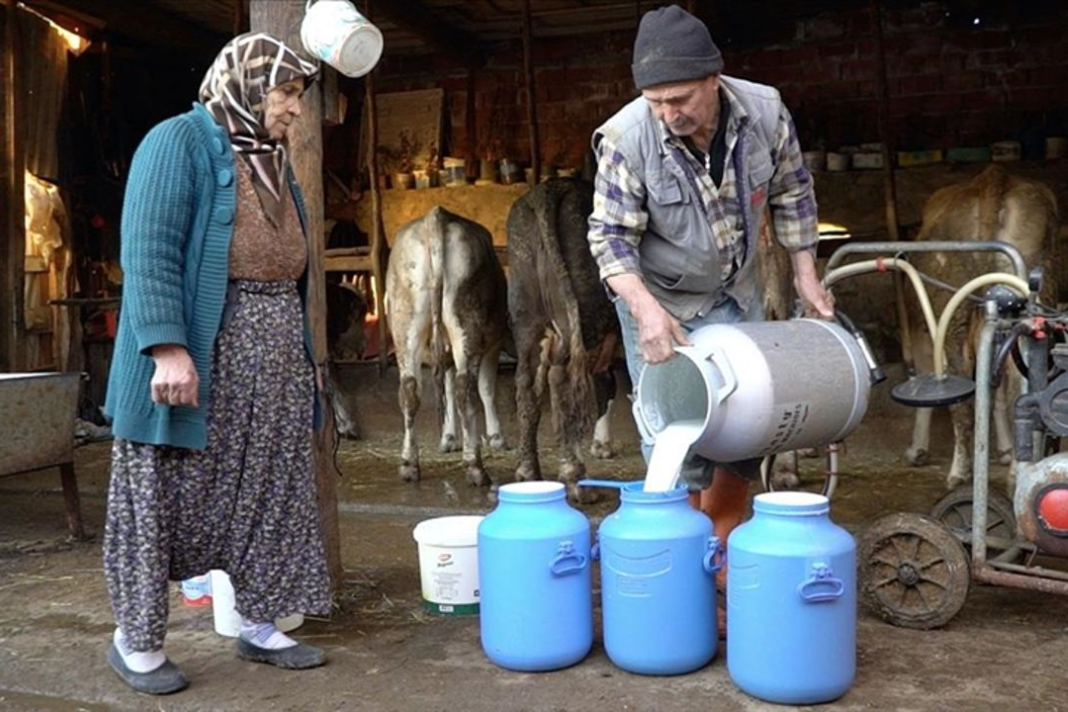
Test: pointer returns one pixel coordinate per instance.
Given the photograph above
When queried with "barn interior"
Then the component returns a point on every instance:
(470, 105)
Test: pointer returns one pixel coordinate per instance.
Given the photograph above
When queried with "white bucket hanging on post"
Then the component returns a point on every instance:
(335, 32)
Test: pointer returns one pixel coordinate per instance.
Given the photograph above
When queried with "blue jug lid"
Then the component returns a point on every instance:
(539, 491)
(791, 504)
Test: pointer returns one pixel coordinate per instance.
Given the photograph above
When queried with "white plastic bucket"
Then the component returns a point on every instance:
(224, 610)
(335, 32)
(448, 564)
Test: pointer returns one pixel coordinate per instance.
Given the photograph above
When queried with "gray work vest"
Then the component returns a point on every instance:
(679, 259)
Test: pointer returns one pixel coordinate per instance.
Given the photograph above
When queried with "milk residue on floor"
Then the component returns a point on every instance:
(672, 444)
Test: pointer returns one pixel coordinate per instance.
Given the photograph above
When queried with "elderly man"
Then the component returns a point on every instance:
(684, 175)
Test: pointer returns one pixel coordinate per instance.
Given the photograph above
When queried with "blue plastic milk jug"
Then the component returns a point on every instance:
(658, 594)
(791, 601)
(534, 578)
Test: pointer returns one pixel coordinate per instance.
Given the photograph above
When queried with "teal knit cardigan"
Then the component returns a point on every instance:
(177, 223)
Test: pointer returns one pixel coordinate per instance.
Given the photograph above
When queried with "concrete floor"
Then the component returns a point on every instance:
(1004, 651)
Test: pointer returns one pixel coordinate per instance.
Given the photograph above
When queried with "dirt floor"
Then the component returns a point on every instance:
(1004, 651)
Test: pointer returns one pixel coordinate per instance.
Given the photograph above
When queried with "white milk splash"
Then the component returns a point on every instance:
(672, 444)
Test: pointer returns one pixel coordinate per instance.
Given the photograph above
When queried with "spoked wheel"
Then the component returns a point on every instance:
(914, 572)
(955, 510)
(825, 486)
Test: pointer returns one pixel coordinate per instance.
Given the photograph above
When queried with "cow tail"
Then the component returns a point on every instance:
(578, 402)
(435, 246)
(991, 201)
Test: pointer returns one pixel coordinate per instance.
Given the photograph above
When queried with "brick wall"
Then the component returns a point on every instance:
(951, 82)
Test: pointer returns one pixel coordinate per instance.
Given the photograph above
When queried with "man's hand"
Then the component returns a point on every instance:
(658, 331)
(175, 381)
(815, 299)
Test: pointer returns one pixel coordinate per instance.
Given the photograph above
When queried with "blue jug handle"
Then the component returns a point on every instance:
(821, 577)
(558, 567)
(715, 557)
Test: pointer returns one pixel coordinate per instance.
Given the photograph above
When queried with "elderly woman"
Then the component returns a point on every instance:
(212, 389)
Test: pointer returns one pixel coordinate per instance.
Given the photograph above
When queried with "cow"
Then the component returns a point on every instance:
(992, 206)
(564, 326)
(447, 305)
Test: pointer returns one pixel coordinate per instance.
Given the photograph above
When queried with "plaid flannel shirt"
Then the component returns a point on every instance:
(619, 218)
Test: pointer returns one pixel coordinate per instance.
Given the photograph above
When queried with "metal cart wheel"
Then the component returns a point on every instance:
(954, 511)
(914, 572)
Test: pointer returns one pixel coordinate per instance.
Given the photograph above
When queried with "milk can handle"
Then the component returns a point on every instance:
(715, 557)
(711, 353)
(644, 431)
(730, 381)
(578, 562)
(822, 578)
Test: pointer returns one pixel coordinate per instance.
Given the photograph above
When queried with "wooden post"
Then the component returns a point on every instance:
(378, 234)
(532, 110)
(889, 183)
(12, 200)
(282, 18)
(240, 18)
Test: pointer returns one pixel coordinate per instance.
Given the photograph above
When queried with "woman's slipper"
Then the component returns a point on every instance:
(164, 680)
(295, 657)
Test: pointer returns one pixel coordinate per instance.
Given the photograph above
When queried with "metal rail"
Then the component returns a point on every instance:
(902, 247)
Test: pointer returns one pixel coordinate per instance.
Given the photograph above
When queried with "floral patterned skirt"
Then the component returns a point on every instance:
(245, 504)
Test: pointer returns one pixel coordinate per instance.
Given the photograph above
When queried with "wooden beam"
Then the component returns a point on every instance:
(412, 16)
(378, 233)
(143, 22)
(282, 19)
(532, 109)
(12, 200)
(885, 136)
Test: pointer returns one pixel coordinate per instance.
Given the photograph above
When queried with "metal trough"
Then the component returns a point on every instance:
(38, 411)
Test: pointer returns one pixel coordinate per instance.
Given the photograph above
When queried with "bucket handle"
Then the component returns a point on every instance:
(568, 561)
(822, 585)
(715, 557)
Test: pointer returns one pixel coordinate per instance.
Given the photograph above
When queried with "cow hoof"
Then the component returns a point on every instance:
(1005, 457)
(916, 457)
(409, 472)
(582, 495)
(476, 476)
(785, 480)
(448, 443)
(571, 472)
(527, 472)
(496, 442)
(602, 450)
(953, 481)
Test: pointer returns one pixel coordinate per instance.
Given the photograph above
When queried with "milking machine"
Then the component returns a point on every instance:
(915, 569)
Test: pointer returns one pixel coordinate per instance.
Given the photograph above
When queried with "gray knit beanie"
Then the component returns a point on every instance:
(673, 46)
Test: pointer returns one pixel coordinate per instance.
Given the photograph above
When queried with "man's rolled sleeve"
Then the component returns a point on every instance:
(792, 194)
(619, 218)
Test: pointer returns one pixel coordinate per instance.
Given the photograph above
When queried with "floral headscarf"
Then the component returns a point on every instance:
(235, 92)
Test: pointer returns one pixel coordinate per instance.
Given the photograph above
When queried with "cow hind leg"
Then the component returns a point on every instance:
(1000, 417)
(604, 387)
(528, 403)
(409, 403)
(917, 453)
(466, 385)
(447, 414)
(487, 390)
(572, 468)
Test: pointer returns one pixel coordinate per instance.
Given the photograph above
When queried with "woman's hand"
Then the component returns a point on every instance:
(175, 381)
